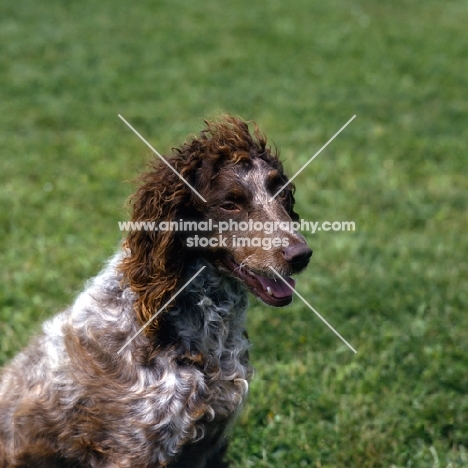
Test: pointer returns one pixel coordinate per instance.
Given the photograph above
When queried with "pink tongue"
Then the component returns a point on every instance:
(278, 287)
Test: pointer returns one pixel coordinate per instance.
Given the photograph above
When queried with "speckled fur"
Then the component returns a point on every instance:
(70, 400)
(159, 405)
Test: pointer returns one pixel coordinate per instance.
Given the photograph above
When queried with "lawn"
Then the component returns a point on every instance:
(396, 288)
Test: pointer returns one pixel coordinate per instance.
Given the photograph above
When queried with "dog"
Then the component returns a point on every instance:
(149, 367)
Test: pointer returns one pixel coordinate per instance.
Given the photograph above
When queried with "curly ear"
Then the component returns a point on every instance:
(156, 259)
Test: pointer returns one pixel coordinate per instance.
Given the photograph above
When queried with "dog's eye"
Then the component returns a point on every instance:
(229, 206)
(283, 194)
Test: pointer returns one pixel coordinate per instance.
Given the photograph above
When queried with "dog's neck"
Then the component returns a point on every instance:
(208, 316)
(206, 321)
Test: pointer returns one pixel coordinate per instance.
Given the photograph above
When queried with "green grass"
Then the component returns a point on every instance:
(395, 288)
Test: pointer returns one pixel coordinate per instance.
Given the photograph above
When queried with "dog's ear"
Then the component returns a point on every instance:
(155, 261)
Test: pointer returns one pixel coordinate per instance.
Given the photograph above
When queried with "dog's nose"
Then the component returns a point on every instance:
(297, 256)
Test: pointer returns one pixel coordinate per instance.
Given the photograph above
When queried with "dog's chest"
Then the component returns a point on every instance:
(216, 332)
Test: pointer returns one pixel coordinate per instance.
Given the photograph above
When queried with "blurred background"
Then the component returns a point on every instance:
(396, 288)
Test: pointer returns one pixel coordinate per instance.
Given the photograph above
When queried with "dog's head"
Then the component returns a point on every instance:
(230, 189)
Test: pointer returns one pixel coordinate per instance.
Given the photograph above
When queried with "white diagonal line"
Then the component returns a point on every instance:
(164, 160)
(312, 158)
(313, 310)
(161, 309)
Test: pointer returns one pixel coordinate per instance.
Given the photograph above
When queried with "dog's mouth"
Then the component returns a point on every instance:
(272, 291)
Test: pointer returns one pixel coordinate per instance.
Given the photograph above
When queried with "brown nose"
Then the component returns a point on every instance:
(297, 256)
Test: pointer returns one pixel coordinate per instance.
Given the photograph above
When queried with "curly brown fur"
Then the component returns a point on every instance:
(167, 400)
